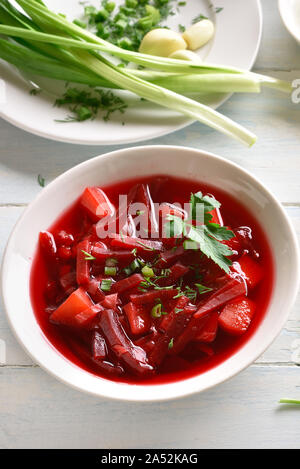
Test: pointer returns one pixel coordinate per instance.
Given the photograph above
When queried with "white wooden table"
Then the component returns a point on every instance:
(36, 411)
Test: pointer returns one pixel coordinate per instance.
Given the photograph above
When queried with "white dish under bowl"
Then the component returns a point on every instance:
(122, 165)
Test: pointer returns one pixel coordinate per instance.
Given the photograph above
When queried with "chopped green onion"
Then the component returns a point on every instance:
(106, 284)
(135, 265)
(156, 311)
(79, 23)
(171, 344)
(110, 271)
(148, 272)
(88, 256)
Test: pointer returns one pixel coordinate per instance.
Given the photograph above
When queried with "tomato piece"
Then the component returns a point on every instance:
(152, 295)
(127, 283)
(96, 203)
(82, 263)
(139, 319)
(236, 316)
(209, 331)
(110, 301)
(47, 242)
(231, 290)
(250, 269)
(76, 303)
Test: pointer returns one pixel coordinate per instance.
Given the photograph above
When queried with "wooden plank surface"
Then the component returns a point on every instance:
(37, 411)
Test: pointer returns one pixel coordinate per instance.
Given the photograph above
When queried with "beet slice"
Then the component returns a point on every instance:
(127, 283)
(178, 320)
(209, 331)
(82, 263)
(127, 242)
(152, 295)
(138, 318)
(99, 347)
(231, 290)
(134, 358)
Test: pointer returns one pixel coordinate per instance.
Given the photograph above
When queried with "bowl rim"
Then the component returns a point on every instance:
(282, 6)
(176, 395)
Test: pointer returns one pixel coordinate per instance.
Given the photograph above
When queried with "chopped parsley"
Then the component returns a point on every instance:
(85, 105)
(41, 180)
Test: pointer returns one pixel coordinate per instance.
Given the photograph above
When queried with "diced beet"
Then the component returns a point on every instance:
(152, 295)
(138, 318)
(209, 331)
(96, 203)
(110, 301)
(99, 346)
(76, 303)
(68, 280)
(82, 263)
(48, 244)
(167, 258)
(179, 321)
(85, 318)
(180, 303)
(93, 289)
(236, 316)
(251, 270)
(177, 271)
(231, 290)
(193, 329)
(127, 283)
(126, 242)
(103, 254)
(64, 239)
(133, 357)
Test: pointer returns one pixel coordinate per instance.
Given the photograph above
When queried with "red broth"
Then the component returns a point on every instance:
(197, 356)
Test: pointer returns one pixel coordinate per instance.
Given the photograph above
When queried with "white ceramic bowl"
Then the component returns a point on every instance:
(125, 164)
(290, 14)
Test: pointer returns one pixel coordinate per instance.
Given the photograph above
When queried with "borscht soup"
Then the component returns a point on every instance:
(151, 280)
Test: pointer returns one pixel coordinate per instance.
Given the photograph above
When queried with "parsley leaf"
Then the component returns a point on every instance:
(207, 236)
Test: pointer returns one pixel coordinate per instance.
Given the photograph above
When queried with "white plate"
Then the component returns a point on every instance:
(236, 43)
